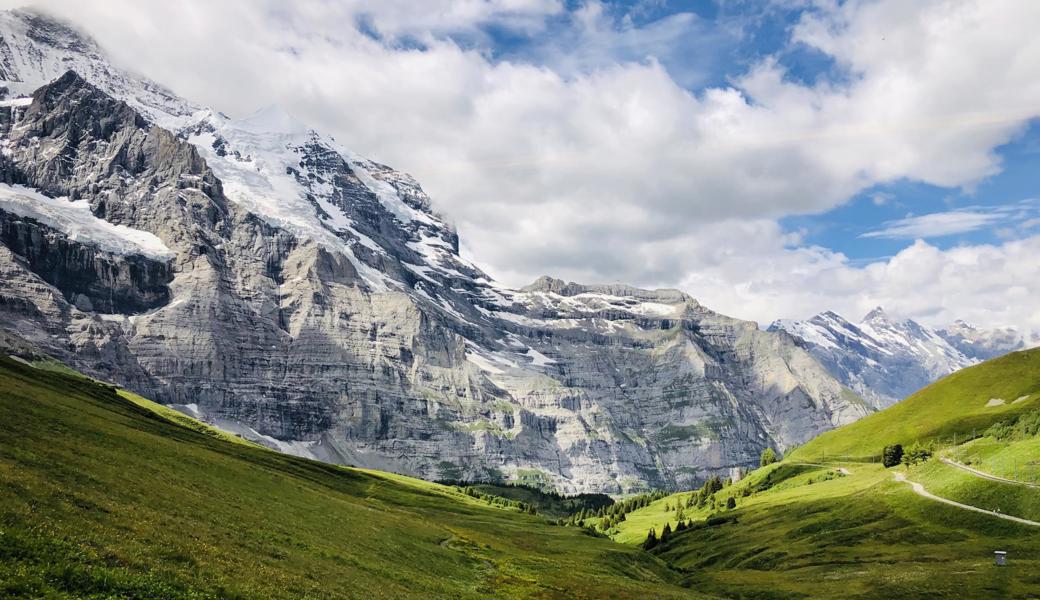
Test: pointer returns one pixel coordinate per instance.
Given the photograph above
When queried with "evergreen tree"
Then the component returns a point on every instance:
(651, 540)
(768, 457)
(731, 503)
(892, 455)
(666, 532)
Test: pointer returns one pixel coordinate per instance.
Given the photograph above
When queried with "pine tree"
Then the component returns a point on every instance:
(666, 532)
(731, 503)
(651, 540)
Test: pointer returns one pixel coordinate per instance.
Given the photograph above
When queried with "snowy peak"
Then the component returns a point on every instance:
(881, 358)
(877, 315)
(36, 49)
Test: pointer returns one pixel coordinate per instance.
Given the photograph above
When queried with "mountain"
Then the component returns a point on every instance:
(881, 358)
(258, 275)
(982, 344)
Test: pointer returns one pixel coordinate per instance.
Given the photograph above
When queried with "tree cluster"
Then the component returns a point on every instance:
(499, 501)
(652, 541)
(916, 454)
(613, 514)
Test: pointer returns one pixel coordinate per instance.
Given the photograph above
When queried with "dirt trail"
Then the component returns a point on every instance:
(984, 475)
(920, 491)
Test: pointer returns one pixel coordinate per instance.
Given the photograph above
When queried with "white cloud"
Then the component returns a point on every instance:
(936, 225)
(990, 285)
(613, 171)
(1020, 216)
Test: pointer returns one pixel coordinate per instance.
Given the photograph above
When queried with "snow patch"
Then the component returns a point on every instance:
(75, 220)
(538, 359)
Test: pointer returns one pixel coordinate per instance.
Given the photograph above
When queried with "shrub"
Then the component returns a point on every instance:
(768, 457)
(731, 503)
(892, 456)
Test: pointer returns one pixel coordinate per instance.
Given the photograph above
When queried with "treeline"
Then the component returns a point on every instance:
(613, 514)
(498, 500)
(546, 502)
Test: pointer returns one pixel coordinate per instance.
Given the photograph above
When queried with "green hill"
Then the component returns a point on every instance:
(950, 410)
(825, 524)
(104, 497)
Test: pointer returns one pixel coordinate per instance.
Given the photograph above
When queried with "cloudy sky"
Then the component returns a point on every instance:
(773, 158)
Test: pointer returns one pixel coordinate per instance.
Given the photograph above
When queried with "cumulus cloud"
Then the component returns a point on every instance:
(613, 170)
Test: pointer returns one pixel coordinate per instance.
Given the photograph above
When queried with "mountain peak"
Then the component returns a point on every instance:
(877, 314)
(47, 29)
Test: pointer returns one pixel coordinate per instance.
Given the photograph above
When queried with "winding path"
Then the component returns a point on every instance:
(920, 491)
(984, 475)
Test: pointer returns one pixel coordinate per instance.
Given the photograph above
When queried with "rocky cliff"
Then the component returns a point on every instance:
(260, 276)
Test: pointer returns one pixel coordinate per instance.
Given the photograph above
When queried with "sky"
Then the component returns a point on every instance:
(772, 158)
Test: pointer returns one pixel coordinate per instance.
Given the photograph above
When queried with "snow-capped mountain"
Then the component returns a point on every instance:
(259, 275)
(982, 344)
(885, 359)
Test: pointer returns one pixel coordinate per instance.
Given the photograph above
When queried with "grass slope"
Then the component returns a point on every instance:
(100, 497)
(1010, 459)
(953, 406)
(863, 536)
(801, 529)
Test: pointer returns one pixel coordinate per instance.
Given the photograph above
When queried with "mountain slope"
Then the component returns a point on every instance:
(882, 359)
(138, 506)
(264, 278)
(960, 405)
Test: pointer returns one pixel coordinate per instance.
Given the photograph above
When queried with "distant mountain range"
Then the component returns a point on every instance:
(885, 359)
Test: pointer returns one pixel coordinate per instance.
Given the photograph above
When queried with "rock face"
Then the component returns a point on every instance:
(262, 277)
(884, 360)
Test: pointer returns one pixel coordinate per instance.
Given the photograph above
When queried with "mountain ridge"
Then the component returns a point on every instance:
(885, 359)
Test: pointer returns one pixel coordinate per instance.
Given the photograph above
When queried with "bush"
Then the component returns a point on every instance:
(892, 456)
(731, 503)
(768, 457)
(916, 454)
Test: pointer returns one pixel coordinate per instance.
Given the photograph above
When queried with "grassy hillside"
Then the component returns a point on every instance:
(1010, 459)
(101, 497)
(860, 536)
(823, 524)
(967, 402)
